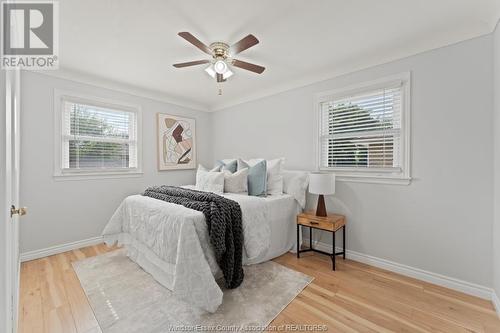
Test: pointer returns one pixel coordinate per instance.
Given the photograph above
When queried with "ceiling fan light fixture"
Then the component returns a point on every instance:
(227, 74)
(220, 67)
(210, 71)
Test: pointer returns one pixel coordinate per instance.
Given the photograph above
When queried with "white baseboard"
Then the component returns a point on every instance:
(49, 251)
(496, 302)
(417, 273)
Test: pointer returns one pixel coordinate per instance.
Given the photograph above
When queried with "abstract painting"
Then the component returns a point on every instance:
(176, 142)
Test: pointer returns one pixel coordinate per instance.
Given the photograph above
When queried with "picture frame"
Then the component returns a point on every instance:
(176, 142)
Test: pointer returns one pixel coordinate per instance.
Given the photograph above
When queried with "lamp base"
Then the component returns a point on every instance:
(321, 208)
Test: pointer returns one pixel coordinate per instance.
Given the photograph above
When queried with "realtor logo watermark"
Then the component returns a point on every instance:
(30, 35)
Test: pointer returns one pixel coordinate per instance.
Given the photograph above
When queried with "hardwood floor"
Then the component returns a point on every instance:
(355, 298)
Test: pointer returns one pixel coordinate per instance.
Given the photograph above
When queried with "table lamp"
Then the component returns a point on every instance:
(322, 184)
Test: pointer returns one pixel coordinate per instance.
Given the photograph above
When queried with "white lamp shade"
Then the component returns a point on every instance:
(322, 183)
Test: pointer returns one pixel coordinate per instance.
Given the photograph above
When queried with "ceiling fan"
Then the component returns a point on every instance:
(222, 56)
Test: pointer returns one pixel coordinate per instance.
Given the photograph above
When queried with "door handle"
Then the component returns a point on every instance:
(18, 211)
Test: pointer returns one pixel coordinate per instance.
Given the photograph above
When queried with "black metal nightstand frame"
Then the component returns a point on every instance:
(311, 248)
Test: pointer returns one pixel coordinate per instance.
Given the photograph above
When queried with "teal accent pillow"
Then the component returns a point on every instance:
(257, 177)
(230, 166)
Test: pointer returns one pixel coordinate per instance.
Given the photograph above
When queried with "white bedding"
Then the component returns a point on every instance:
(171, 241)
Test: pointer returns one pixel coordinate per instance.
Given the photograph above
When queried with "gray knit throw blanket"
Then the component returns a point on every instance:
(223, 217)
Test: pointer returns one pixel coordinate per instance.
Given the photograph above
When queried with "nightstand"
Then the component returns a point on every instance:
(331, 223)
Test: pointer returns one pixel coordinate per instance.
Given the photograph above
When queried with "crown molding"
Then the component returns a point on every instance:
(341, 70)
(320, 76)
(95, 81)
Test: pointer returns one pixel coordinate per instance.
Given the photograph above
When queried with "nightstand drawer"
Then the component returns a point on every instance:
(332, 222)
(316, 224)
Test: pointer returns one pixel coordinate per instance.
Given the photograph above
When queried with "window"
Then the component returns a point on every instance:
(97, 138)
(363, 131)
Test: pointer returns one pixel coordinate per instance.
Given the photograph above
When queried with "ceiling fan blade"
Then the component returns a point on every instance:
(248, 66)
(244, 44)
(195, 41)
(191, 63)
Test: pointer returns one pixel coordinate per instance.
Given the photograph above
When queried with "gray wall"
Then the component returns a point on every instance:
(496, 221)
(445, 214)
(442, 221)
(72, 210)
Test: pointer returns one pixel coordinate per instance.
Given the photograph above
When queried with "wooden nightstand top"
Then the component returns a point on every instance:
(332, 222)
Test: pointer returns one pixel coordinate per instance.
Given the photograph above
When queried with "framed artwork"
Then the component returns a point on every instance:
(176, 142)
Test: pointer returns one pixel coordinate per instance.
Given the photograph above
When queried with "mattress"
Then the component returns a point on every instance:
(171, 242)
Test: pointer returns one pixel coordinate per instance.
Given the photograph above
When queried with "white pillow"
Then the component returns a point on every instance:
(209, 181)
(295, 183)
(236, 182)
(274, 174)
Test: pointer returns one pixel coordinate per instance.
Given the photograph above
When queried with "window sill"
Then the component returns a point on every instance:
(96, 175)
(373, 179)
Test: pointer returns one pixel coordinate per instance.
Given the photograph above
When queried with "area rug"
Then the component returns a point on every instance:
(126, 299)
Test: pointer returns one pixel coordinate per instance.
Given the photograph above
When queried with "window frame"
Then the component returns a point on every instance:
(375, 175)
(60, 173)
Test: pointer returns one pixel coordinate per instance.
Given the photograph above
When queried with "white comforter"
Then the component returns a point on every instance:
(171, 242)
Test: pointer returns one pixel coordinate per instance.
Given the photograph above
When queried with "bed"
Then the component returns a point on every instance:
(171, 242)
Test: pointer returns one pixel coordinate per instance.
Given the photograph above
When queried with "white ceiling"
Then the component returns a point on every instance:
(135, 42)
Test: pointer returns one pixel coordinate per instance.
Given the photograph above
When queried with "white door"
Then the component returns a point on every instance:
(13, 212)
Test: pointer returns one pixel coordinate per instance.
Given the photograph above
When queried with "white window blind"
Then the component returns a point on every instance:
(362, 131)
(96, 138)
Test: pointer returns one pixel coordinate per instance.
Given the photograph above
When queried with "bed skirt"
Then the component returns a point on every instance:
(161, 271)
